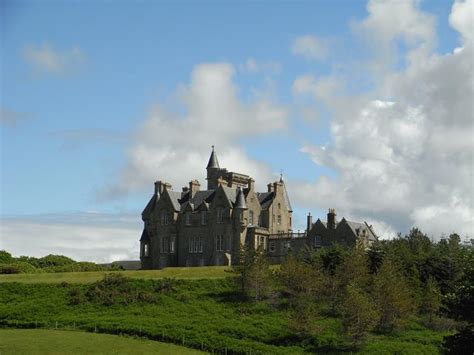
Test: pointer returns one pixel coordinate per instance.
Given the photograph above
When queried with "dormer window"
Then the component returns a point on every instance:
(165, 218)
(188, 218)
(220, 215)
(204, 218)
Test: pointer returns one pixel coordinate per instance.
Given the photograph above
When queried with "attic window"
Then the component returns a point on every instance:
(204, 218)
(188, 218)
(165, 218)
(220, 215)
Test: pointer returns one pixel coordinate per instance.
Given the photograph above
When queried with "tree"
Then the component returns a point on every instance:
(430, 299)
(359, 315)
(392, 295)
(254, 272)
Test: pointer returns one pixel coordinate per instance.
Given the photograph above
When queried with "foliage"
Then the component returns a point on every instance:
(391, 295)
(17, 267)
(359, 315)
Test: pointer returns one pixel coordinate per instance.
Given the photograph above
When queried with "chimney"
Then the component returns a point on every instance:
(332, 218)
(158, 187)
(309, 222)
(194, 187)
(250, 184)
(270, 187)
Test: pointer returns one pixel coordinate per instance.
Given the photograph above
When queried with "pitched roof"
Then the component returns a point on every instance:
(285, 196)
(145, 236)
(357, 226)
(265, 199)
(230, 193)
(150, 206)
(175, 198)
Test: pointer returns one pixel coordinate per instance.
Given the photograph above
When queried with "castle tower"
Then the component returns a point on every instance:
(212, 171)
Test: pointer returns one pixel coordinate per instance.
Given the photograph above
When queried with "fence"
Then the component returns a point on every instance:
(133, 332)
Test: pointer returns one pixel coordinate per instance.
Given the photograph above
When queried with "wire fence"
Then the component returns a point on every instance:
(138, 332)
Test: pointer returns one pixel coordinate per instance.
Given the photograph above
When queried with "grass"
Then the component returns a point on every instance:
(204, 313)
(205, 272)
(40, 341)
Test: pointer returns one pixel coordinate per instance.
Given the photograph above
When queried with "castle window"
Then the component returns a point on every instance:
(261, 242)
(172, 244)
(164, 244)
(219, 242)
(165, 218)
(317, 241)
(204, 218)
(279, 205)
(290, 221)
(146, 249)
(250, 218)
(195, 244)
(271, 247)
(220, 215)
(188, 218)
(279, 219)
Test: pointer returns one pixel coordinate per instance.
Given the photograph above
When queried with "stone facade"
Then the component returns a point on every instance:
(197, 227)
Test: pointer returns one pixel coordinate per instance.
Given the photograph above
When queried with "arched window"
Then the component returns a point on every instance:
(220, 215)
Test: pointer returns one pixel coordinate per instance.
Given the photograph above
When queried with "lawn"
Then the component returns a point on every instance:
(207, 272)
(41, 341)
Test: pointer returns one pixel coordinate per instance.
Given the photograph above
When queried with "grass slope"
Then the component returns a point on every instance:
(207, 272)
(40, 341)
(201, 313)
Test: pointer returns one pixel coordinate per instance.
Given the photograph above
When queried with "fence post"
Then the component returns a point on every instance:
(56, 325)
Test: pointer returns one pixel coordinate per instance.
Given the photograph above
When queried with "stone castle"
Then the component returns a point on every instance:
(195, 227)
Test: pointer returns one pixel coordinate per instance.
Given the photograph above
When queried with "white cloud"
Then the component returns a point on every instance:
(408, 161)
(176, 148)
(310, 47)
(462, 19)
(252, 66)
(46, 59)
(82, 236)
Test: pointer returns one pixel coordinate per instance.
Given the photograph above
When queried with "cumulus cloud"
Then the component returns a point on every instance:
(408, 160)
(46, 59)
(310, 47)
(87, 236)
(176, 148)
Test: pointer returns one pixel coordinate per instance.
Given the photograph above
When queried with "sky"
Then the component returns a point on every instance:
(363, 106)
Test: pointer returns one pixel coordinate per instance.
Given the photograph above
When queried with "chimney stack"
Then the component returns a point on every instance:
(194, 187)
(270, 187)
(309, 222)
(332, 218)
(250, 184)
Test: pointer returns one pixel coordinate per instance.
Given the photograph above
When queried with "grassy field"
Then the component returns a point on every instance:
(202, 313)
(207, 272)
(41, 341)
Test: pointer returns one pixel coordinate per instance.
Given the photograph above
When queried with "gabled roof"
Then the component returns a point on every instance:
(145, 237)
(150, 206)
(202, 196)
(230, 193)
(285, 196)
(357, 228)
(175, 198)
(265, 199)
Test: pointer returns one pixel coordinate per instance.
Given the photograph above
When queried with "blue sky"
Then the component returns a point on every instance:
(94, 93)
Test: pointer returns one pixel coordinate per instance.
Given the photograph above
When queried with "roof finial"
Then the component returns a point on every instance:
(281, 175)
(212, 147)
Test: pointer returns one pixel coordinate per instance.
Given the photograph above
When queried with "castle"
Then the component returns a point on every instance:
(195, 227)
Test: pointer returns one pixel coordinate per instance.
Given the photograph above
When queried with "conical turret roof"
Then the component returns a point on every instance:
(213, 163)
(240, 200)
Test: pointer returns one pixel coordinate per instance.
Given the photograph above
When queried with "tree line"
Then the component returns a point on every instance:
(378, 290)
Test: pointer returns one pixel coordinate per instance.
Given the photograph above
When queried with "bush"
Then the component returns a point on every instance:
(17, 267)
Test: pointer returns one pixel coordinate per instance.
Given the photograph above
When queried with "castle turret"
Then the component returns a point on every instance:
(213, 169)
(240, 205)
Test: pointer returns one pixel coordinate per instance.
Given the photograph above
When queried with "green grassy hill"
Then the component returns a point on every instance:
(41, 341)
(207, 272)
